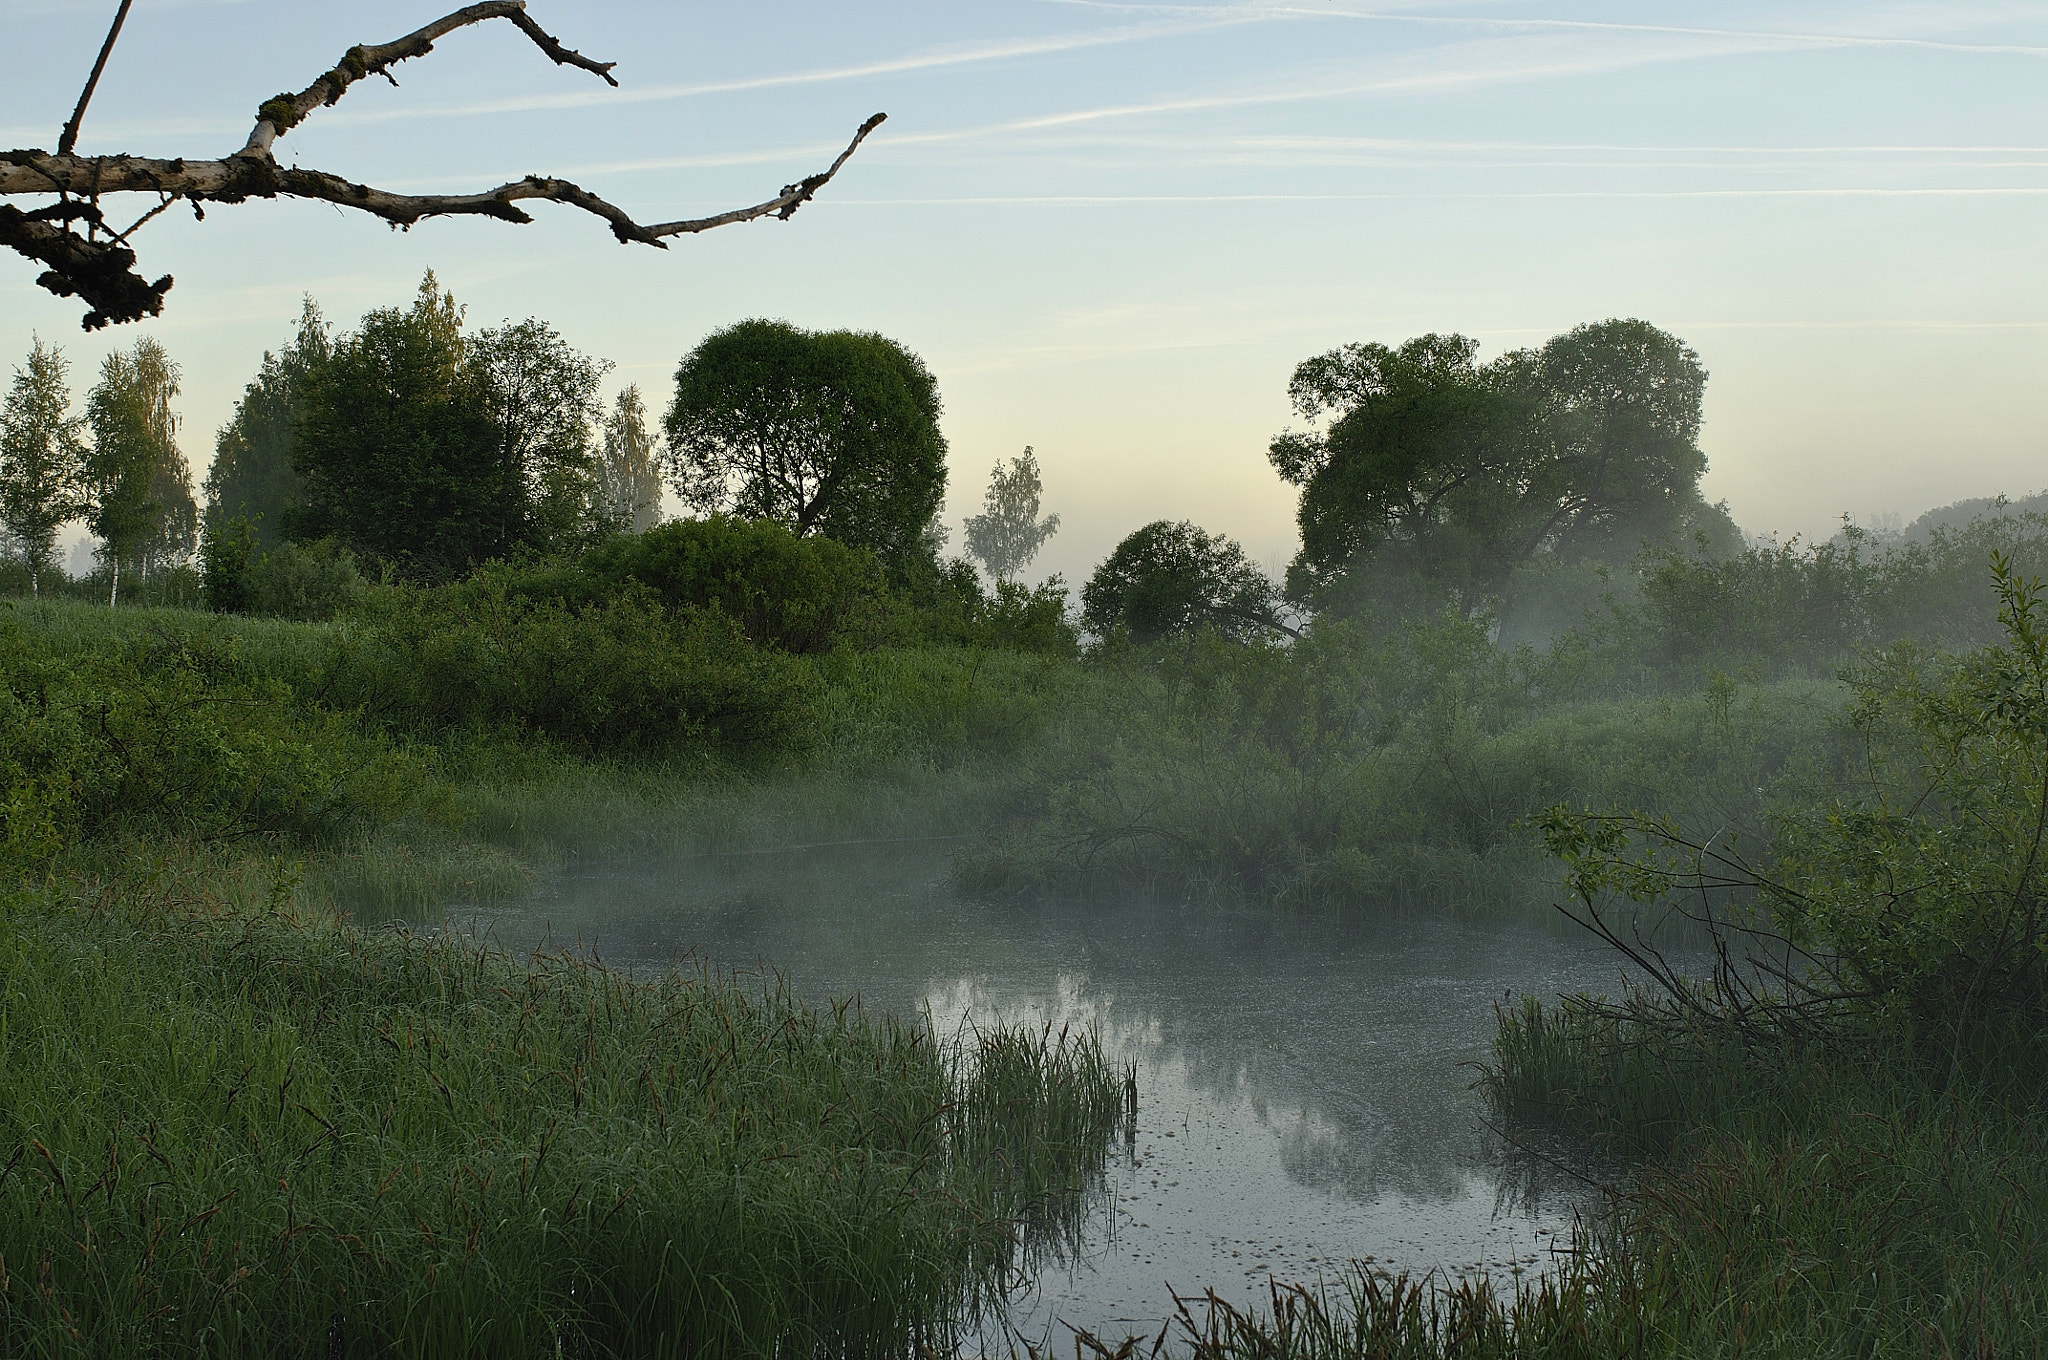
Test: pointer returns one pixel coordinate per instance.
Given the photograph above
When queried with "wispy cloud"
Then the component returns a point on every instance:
(1463, 65)
(931, 59)
(1510, 23)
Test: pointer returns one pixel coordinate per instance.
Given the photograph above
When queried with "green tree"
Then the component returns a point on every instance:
(253, 477)
(1437, 475)
(1169, 578)
(1008, 533)
(42, 458)
(629, 485)
(540, 396)
(433, 452)
(137, 481)
(832, 432)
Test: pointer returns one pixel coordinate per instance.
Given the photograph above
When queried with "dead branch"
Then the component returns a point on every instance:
(97, 266)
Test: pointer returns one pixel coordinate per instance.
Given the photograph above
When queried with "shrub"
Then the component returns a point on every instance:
(1912, 891)
(226, 548)
(308, 581)
(620, 675)
(172, 733)
(795, 594)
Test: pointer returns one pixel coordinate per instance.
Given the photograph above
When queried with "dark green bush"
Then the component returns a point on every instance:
(621, 675)
(795, 594)
(1796, 606)
(308, 581)
(226, 548)
(173, 733)
(1015, 618)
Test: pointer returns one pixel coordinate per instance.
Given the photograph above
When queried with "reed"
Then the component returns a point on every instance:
(235, 1130)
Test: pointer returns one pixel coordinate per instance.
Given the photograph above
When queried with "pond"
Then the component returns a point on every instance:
(1305, 1094)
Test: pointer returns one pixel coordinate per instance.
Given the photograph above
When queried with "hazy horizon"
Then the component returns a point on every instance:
(1113, 229)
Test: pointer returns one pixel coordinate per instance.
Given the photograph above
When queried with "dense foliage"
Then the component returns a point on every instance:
(1169, 578)
(255, 476)
(830, 432)
(42, 460)
(1438, 475)
(432, 451)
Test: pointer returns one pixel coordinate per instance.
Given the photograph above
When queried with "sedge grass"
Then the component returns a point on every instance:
(231, 1130)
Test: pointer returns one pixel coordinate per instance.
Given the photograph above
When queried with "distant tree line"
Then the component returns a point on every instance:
(418, 448)
(1430, 481)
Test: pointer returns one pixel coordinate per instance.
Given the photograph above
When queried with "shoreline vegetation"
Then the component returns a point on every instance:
(427, 645)
(236, 1103)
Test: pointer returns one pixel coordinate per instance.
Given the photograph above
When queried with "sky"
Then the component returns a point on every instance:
(1112, 229)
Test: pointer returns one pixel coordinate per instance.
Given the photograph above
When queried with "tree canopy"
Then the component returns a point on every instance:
(431, 451)
(140, 488)
(253, 476)
(1008, 533)
(1171, 578)
(1438, 474)
(832, 432)
(629, 485)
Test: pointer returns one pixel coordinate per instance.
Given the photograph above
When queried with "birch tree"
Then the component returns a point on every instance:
(42, 459)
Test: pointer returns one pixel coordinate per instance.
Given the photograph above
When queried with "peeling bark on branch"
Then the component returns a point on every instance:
(98, 266)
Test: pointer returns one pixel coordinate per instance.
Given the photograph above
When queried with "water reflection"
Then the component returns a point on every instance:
(1301, 1097)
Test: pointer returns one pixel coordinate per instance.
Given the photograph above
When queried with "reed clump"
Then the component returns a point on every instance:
(240, 1131)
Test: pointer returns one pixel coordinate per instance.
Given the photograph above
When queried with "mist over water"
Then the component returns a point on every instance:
(1302, 1096)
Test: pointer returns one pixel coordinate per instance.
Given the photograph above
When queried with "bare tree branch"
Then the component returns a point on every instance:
(102, 271)
(68, 138)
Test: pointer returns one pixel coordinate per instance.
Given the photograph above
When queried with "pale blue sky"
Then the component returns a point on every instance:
(1113, 229)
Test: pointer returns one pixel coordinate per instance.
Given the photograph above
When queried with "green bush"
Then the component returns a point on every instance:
(175, 733)
(794, 594)
(308, 581)
(1371, 767)
(615, 677)
(227, 545)
(1795, 606)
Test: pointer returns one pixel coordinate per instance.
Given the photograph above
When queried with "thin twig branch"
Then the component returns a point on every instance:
(68, 138)
(102, 272)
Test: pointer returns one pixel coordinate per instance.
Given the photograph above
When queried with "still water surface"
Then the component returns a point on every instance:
(1303, 1094)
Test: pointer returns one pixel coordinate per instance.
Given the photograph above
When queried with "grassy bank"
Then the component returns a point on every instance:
(235, 1123)
(233, 1130)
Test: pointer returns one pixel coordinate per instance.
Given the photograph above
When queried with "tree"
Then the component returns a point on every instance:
(97, 264)
(253, 477)
(832, 432)
(1624, 401)
(1008, 533)
(42, 459)
(540, 399)
(1169, 578)
(629, 485)
(132, 472)
(1437, 475)
(433, 452)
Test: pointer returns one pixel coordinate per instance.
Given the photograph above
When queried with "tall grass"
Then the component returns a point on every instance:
(240, 1132)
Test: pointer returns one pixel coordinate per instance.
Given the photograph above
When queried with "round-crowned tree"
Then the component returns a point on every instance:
(831, 432)
(1173, 578)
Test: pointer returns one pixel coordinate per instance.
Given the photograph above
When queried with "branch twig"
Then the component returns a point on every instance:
(102, 272)
(68, 138)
